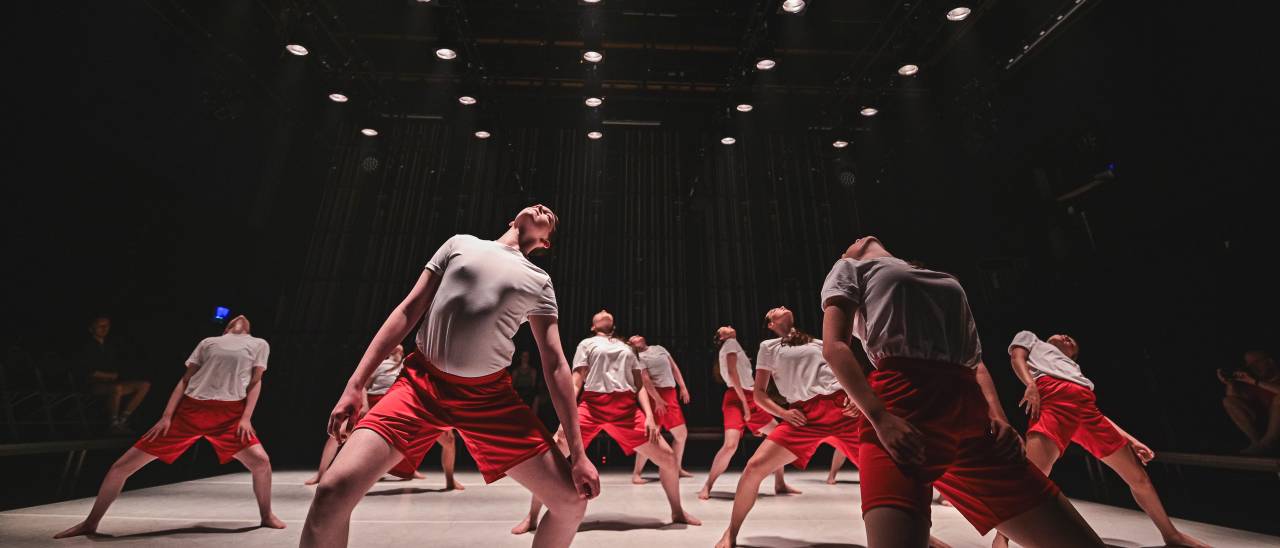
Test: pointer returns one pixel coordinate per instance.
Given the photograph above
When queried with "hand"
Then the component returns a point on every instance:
(794, 417)
(1140, 450)
(245, 430)
(651, 430)
(1243, 376)
(1031, 402)
(659, 407)
(342, 420)
(586, 480)
(1222, 377)
(903, 442)
(684, 395)
(850, 410)
(1008, 442)
(161, 428)
(746, 413)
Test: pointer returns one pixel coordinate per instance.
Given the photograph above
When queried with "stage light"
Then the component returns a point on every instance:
(424, 1)
(590, 1)
(296, 49)
(728, 141)
(467, 100)
(744, 107)
(958, 14)
(593, 135)
(337, 97)
(592, 56)
(908, 70)
(839, 143)
(446, 54)
(220, 313)
(369, 132)
(594, 101)
(482, 134)
(766, 64)
(793, 6)
(869, 111)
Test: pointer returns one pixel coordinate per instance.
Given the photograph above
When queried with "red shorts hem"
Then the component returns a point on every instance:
(212, 420)
(675, 415)
(825, 423)
(1069, 414)
(617, 414)
(731, 409)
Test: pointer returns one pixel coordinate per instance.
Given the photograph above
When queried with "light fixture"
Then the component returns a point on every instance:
(908, 70)
(728, 141)
(369, 132)
(594, 101)
(766, 64)
(467, 100)
(593, 135)
(446, 54)
(482, 134)
(592, 56)
(869, 111)
(590, 1)
(424, 1)
(793, 6)
(958, 14)
(337, 97)
(744, 107)
(296, 49)
(840, 143)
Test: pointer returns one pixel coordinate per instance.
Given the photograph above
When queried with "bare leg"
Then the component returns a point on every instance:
(114, 395)
(1052, 524)
(1243, 417)
(1269, 443)
(780, 486)
(1132, 472)
(893, 527)
(721, 462)
(547, 477)
(669, 475)
(326, 458)
(364, 458)
(639, 467)
(139, 390)
(770, 456)
(256, 460)
(448, 457)
(132, 460)
(1043, 453)
(680, 436)
(837, 460)
(530, 521)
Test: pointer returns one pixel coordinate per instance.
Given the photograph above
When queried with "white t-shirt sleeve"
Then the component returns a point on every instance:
(1024, 339)
(764, 357)
(198, 355)
(842, 282)
(440, 260)
(634, 361)
(580, 356)
(546, 305)
(260, 357)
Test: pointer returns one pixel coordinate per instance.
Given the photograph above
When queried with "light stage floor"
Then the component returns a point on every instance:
(220, 512)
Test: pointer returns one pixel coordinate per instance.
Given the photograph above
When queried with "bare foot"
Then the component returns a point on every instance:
(312, 480)
(705, 493)
(1183, 539)
(1000, 541)
(528, 525)
(638, 480)
(454, 485)
(785, 489)
(831, 480)
(935, 543)
(82, 528)
(270, 520)
(418, 475)
(685, 474)
(726, 541)
(684, 517)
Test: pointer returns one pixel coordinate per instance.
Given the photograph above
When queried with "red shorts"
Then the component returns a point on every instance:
(824, 423)
(500, 431)
(214, 420)
(731, 407)
(962, 459)
(1069, 412)
(617, 413)
(674, 416)
(404, 469)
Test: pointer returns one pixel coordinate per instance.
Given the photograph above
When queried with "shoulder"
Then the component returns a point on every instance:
(769, 344)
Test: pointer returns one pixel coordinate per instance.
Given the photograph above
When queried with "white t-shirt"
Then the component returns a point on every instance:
(800, 371)
(384, 376)
(657, 361)
(906, 312)
(1045, 359)
(226, 365)
(611, 364)
(732, 346)
(487, 290)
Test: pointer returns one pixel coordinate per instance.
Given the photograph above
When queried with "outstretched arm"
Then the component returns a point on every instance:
(1006, 436)
(760, 393)
(563, 387)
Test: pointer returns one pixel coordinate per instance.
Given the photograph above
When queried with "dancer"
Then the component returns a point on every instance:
(527, 383)
(214, 400)
(739, 410)
(663, 380)
(932, 413)
(818, 411)
(474, 295)
(1060, 403)
(605, 372)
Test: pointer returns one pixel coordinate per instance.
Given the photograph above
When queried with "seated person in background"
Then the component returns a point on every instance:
(1252, 404)
(100, 359)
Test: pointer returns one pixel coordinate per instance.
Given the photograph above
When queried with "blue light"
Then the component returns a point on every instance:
(220, 313)
(1111, 166)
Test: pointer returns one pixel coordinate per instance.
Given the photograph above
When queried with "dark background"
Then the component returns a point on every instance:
(171, 158)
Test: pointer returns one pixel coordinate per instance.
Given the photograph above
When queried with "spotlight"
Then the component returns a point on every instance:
(446, 54)
(594, 101)
(869, 111)
(590, 1)
(369, 132)
(908, 70)
(482, 134)
(839, 143)
(766, 64)
(424, 1)
(744, 107)
(467, 100)
(793, 6)
(593, 135)
(728, 141)
(958, 14)
(592, 56)
(296, 49)
(337, 97)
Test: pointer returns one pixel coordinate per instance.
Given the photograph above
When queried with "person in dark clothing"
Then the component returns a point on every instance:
(100, 360)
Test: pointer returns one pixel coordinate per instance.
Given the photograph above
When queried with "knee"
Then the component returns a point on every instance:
(569, 505)
(755, 467)
(729, 445)
(333, 489)
(1232, 402)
